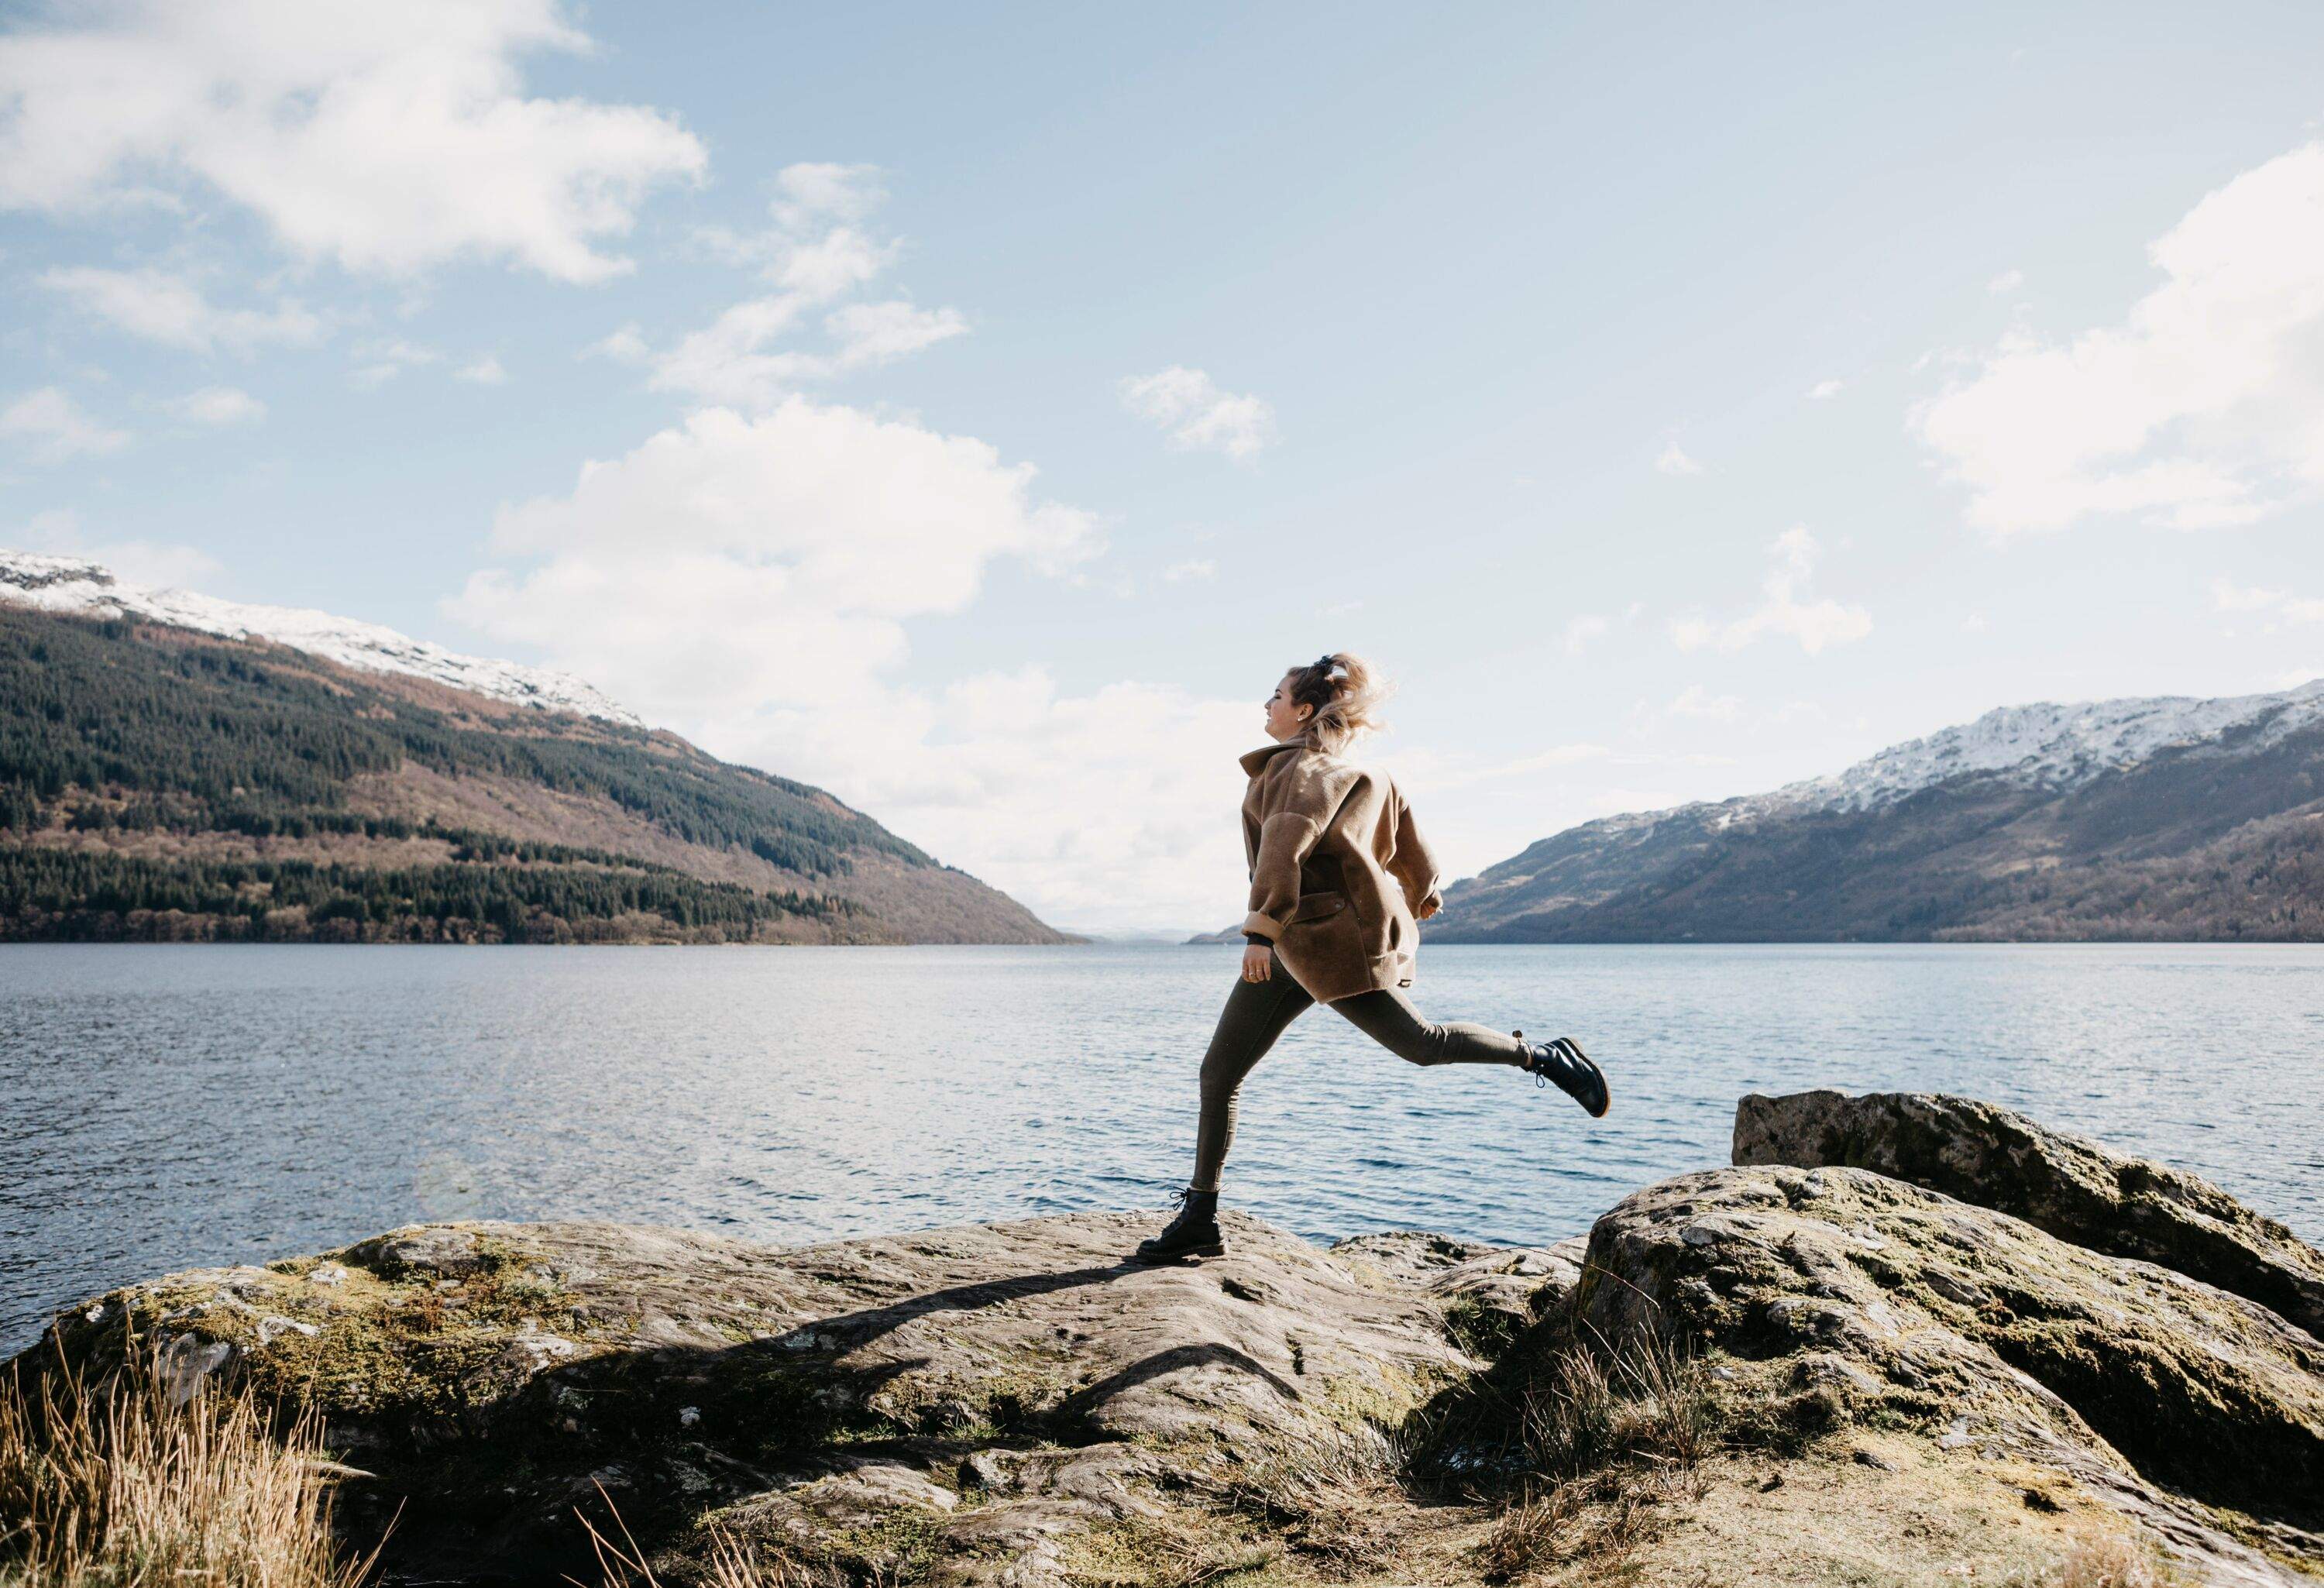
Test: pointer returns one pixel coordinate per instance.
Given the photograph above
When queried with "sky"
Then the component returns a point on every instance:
(973, 411)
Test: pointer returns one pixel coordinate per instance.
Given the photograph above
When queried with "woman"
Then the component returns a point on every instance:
(1339, 874)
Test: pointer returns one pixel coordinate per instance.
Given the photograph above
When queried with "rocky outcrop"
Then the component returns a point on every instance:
(2071, 1187)
(960, 1399)
(1760, 1373)
(1845, 1297)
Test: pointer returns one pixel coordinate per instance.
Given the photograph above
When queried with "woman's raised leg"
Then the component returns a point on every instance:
(1387, 1016)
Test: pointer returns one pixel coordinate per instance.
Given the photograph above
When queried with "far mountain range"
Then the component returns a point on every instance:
(2167, 818)
(174, 766)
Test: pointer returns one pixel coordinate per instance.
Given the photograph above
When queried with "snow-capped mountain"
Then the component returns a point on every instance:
(2049, 746)
(2165, 817)
(167, 773)
(75, 585)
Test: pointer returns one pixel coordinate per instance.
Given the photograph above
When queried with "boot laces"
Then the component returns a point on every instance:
(1536, 1061)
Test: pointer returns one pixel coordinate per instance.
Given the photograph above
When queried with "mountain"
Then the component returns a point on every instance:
(74, 585)
(2167, 818)
(175, 767)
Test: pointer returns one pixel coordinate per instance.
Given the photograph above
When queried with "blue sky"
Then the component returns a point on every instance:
(985, 404)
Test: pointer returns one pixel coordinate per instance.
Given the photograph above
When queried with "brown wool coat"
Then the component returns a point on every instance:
(1339, 872)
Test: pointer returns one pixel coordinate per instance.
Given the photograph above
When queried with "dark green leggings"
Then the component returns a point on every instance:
(1256, 1013)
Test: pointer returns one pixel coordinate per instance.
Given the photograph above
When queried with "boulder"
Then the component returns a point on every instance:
(1849, 1298)
(2071, 1187)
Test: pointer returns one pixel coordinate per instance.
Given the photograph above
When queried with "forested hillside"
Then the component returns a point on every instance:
(160, 783)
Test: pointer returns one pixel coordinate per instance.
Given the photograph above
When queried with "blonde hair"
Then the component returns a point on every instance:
(1346, 695)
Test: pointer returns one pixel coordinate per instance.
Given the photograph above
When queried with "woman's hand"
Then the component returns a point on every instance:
(1257, 962)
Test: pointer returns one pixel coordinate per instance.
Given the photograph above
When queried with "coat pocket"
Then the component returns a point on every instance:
(1315, 906)
(1324, 943)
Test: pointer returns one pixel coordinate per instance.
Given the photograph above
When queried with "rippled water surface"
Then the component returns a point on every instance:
(163, 1107)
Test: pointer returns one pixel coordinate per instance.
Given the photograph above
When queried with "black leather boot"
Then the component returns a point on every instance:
(1561, 1060)
(1194, 1232)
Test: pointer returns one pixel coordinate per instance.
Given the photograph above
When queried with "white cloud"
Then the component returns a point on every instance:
(1674, 460)
(483, 372)
(140, 562)
(382, 359)
(1825, 391)
(219, 405)
(1787, 609)
(1417, 768)
(54, 428)
(2203, 407)
(744, 358)
(2008, 281)
(1186, 403)
(170, 309)
(812, 243)
(737, 566)
(731, 361)
(626, 346)
(813, 191)
(1697, 702)
(388, 138)
(1588, 628)
(879, 333)
(750, 580)
(1201, 568)
(727, 362)
(823, 267)
(1617, 801)
(2229, 597)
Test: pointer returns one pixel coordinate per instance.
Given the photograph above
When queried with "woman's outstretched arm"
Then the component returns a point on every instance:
(1285, 840)
(1414, 863)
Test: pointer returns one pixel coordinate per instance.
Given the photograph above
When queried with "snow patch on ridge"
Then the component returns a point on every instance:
(76, 586)
(2045, 746)
(2049, 746)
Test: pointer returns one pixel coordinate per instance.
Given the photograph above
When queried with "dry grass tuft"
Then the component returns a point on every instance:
(1330, 1497)
(1137, 1552)
(1588, 1409)
(1607, 1514)
(731, 1563)
(127, 1483)
(2114, 1562)
(1599, 1442)
(1525, 1536)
